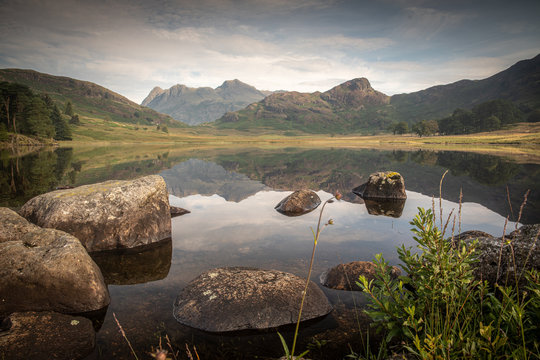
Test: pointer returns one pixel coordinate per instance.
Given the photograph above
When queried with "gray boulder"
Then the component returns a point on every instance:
(526, 248)
(345, 276)
(46, 335)
(45, 269)
(109, 215)
(238, 298)
(382, 185)
(298, 203)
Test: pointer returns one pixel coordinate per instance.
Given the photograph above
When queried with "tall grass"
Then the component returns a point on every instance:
(441, 311)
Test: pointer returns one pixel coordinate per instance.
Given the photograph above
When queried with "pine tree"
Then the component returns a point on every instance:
(69, 109)
(62, 130)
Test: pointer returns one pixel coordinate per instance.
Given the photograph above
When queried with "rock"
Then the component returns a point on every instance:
(135, 266)
(526, 251)
(382, 185)
(345, 276)
(178, 211)
(391, 208)
(108, 215)
(298, 203)
(239, 298)
(45, 269)
(46, 335)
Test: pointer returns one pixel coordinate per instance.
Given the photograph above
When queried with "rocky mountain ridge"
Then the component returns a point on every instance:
(194, 106)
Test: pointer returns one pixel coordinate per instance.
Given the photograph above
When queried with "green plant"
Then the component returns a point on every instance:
(316, 234)
(442, 312)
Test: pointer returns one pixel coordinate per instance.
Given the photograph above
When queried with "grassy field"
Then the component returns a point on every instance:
(520, 142)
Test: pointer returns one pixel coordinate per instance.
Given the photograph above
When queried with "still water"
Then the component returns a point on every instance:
(231, 194)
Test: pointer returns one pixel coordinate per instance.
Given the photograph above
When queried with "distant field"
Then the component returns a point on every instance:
(521, 142)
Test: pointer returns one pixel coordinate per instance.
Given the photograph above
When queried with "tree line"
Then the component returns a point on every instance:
(23, 112)
(488, 116)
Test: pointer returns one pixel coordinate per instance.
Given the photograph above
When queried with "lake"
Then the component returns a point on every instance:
(231, 193)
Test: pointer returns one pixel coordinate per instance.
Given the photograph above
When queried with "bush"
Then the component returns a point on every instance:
(441, 311)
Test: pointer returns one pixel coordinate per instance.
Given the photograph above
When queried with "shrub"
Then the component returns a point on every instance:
(441, 311)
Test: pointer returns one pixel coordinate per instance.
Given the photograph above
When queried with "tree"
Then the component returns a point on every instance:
(69, 109)
(38, 121)
(75, 120)
(426, 127)
(62, 130)
(402, 128)
(393, 127)
(164, 129)
(3, 132)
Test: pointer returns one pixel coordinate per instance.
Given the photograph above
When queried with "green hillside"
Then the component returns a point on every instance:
(88, 99)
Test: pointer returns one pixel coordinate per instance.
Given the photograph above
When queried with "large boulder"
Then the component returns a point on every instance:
(382, 185)
(238, 298)
(45, 269)
(345, 276)
(109, 215)
(298, 203)
(496, 256)
(46, 335)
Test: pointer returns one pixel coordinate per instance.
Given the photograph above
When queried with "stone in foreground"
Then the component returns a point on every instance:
(45, 269)
(239, 298)
(345, 276)
(382, 185)
(523, 245)
(108, 215)
(46, 335)
(298, 203)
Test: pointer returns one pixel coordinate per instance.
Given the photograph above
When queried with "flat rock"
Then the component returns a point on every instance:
(298, 203)
(239, 298)
(345, 276)
(45, 269)
(382, 185)
(108, 215)
(46, 335)
(521, 242)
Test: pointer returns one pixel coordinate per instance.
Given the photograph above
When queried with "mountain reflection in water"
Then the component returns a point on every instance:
(231, 194)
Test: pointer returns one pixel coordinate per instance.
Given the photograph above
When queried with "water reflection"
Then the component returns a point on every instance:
(392, 208)
(135, 266)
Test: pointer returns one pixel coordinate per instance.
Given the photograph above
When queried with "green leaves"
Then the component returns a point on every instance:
(439, 309)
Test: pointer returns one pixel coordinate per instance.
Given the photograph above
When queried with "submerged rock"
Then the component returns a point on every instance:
(523, 242)
(45, 269)
(382, 185)
(345, 276)
(108, 215)
(238, 298)
(298, 203)
(46, 335)
(135, 266)
(178, 211)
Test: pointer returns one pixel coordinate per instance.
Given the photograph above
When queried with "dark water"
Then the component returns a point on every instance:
(231, 195)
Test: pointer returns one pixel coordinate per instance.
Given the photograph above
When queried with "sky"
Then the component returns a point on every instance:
(400, 46)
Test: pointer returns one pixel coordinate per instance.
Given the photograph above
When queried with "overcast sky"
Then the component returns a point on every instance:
(130, 46)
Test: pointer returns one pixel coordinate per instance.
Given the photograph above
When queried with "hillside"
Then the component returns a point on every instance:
(199, 105)
(355, 107)
(88, 99)
(520, 84)
(353, 104)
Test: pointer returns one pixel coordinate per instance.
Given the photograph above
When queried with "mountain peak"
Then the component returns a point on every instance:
(156, 91)
(356, 93)
(228, 84)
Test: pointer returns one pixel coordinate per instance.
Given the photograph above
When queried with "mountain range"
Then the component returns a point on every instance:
(195, 106)
(351, 107)
(355, 106)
